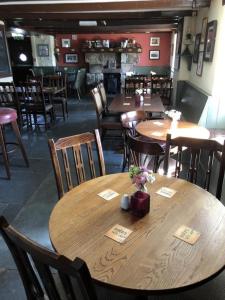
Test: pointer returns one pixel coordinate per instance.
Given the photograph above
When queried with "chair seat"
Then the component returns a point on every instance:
(7, 115)
(112, 122)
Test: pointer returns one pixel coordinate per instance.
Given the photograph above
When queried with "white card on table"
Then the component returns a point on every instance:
(126, 103)
(166, 192)
(118, 233)
(108, 194)
(147, 104)
(158, 123)
(128, 97)
(187, 234)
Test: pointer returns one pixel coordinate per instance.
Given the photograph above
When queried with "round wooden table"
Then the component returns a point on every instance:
(151, 259)
(158, 129)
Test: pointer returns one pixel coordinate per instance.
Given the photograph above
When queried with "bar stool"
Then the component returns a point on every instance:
(9, 116)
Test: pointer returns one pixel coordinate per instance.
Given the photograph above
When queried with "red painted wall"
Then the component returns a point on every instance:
(141, 38)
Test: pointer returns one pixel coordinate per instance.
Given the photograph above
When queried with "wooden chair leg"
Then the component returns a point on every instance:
(18, 136)
(4, 153)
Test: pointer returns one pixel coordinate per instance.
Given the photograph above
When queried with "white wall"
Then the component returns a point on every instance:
(43, 61)
(5, 79)
(211, 81)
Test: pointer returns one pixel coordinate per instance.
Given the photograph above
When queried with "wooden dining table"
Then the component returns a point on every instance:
(124, 103)
(158, 129)
(151, 259)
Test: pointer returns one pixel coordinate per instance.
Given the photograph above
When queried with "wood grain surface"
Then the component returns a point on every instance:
(124, 103)
(151, 259)
(158, 129)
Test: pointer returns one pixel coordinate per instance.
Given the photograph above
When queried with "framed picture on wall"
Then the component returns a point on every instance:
(42, 50)
(154, 41)
(71, 58)
(200, 63)
(196, 47)
(203, 32)
(154, 54)
(65, 43)
(210, 40)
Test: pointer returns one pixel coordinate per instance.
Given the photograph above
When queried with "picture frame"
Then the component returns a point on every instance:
(154, 54)
(196, 47)
(5, 67)
(43, 50)
(66, 43)
(210, 40)
(71, 58)
(200, 63)
(154, 41)
(203, 31)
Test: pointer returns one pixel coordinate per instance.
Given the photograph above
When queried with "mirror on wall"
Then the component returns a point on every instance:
(5, 69)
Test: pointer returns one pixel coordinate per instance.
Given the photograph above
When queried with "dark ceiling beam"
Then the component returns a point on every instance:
(101, 29)
(93, 16)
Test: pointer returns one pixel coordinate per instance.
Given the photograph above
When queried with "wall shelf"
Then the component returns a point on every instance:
(111, 50)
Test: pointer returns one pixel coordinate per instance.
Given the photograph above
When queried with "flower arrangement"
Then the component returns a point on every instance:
(173, 114)
(140, 176)
(139, 92)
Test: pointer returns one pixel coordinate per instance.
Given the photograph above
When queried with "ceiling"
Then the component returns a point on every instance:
(57, 16)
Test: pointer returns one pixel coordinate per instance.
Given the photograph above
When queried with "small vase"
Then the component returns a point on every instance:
(173, 125)
(140, 203)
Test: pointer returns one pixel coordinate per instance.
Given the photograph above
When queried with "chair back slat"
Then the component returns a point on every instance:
(29, 256)
(47, 279)
(98, 102)
(79, 164)
(81, 149)
(66, 165)
(103, 95)
(201, 154)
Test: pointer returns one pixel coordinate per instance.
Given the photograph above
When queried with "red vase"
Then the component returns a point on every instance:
(140, 203)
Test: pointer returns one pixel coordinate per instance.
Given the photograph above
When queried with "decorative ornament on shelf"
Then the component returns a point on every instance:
(140, 200)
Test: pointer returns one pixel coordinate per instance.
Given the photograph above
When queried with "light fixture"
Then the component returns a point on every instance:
(87, 23)
(23, 57)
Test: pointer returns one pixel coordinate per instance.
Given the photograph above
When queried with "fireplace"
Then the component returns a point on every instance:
(112, 83)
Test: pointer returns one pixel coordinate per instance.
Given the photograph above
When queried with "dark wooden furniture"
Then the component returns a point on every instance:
(124, 103)
(145, 152)
(201, 153)
(129, 120)
(104, 99)
(151, 255)
(32, 97)
(162, 86)
(158, 129)
(105, 123)
(60, 83)
(32, 258)
(9, 98)
(9, 116)
(78, 148)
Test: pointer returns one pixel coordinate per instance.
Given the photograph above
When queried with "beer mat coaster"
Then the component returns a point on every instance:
(128, 97)
(158, 123)
(187, 234)
(108, 194)
(166, 192)
(126, 103)
(118, 233)
(147, 104)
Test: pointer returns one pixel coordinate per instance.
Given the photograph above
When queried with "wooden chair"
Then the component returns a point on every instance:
(59, 82)
(129, 120)
(105, 123)
(32, 258)
(9, 98)
(142, 150)
(79, 82)
(34, 103)
(200, 155)
(75, 146)
(163, 87)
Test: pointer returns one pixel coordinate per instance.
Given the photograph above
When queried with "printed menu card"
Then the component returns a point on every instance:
(118, 233)
(187, 234)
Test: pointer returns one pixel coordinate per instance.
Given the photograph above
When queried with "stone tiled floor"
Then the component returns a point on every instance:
(28, 198)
